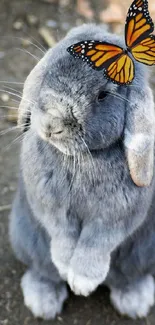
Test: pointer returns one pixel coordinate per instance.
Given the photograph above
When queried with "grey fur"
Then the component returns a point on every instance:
(77, 205)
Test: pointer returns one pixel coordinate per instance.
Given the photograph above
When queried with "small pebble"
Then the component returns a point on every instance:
(47, 36)
(18, 25)
(60, 319)
(12, 188)
(5, 190)
(32, 20)
(51, 23)
(4, 97)
(65, 26)
(26, 42)
(4, 322)
(5, 207)
(13, 271)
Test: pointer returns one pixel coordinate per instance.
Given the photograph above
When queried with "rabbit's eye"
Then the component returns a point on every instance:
(102, 94)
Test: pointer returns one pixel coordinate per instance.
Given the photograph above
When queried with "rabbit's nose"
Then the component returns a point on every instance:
(54, 128)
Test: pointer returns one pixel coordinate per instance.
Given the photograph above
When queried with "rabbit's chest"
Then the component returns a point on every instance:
(82, 185)
(94, 185)
(101, 191)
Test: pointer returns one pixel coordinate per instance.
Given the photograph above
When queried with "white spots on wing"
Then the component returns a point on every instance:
(140, 8)
(83, 46)
(83, 51)
(86, 42)
(131, 13)
(134, 14)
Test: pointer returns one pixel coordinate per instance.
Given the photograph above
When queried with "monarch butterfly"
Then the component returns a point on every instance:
(117, 64)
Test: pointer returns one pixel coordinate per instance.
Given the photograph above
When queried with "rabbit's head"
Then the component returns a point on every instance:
(76, 109)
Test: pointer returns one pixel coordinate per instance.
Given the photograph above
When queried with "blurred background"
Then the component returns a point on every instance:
(27, 29)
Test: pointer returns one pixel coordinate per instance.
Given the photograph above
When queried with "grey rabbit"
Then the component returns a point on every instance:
(83, 212)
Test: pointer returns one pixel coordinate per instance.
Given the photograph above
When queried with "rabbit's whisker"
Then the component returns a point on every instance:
(143, 109)
(16, 90)
(118, 96)
(91, 160)
(15, 100)
(44, 50)
(25, 51)
(71, 166)
(20, 137)
(12, 115)
(11, 82)
(10, 107)
(10, 93)
(37, 47)
(79, 165)
(6, 116)
(25, 114)
(18, 102)
(14, 128)
(17, 95)
(41, 48)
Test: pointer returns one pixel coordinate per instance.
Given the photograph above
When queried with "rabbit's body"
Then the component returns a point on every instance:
(77, 204)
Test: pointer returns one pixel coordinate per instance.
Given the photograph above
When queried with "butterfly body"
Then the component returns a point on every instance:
(117, 62)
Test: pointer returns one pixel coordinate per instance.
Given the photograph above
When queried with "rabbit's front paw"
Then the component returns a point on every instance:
(83, 283)
(62, 250)
(61, 267)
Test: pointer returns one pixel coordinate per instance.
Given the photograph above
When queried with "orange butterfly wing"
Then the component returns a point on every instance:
(95, 53)
(117, 64)
(139, 24)
(121, 71)
(144, 52)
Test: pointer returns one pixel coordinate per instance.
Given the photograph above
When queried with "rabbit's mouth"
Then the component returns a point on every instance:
(66, 142)
(66, 135)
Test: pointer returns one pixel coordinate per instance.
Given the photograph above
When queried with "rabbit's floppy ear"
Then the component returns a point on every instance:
(139, 135)
(30, 92)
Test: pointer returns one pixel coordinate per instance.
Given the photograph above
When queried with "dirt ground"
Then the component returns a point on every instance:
(15, 64)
